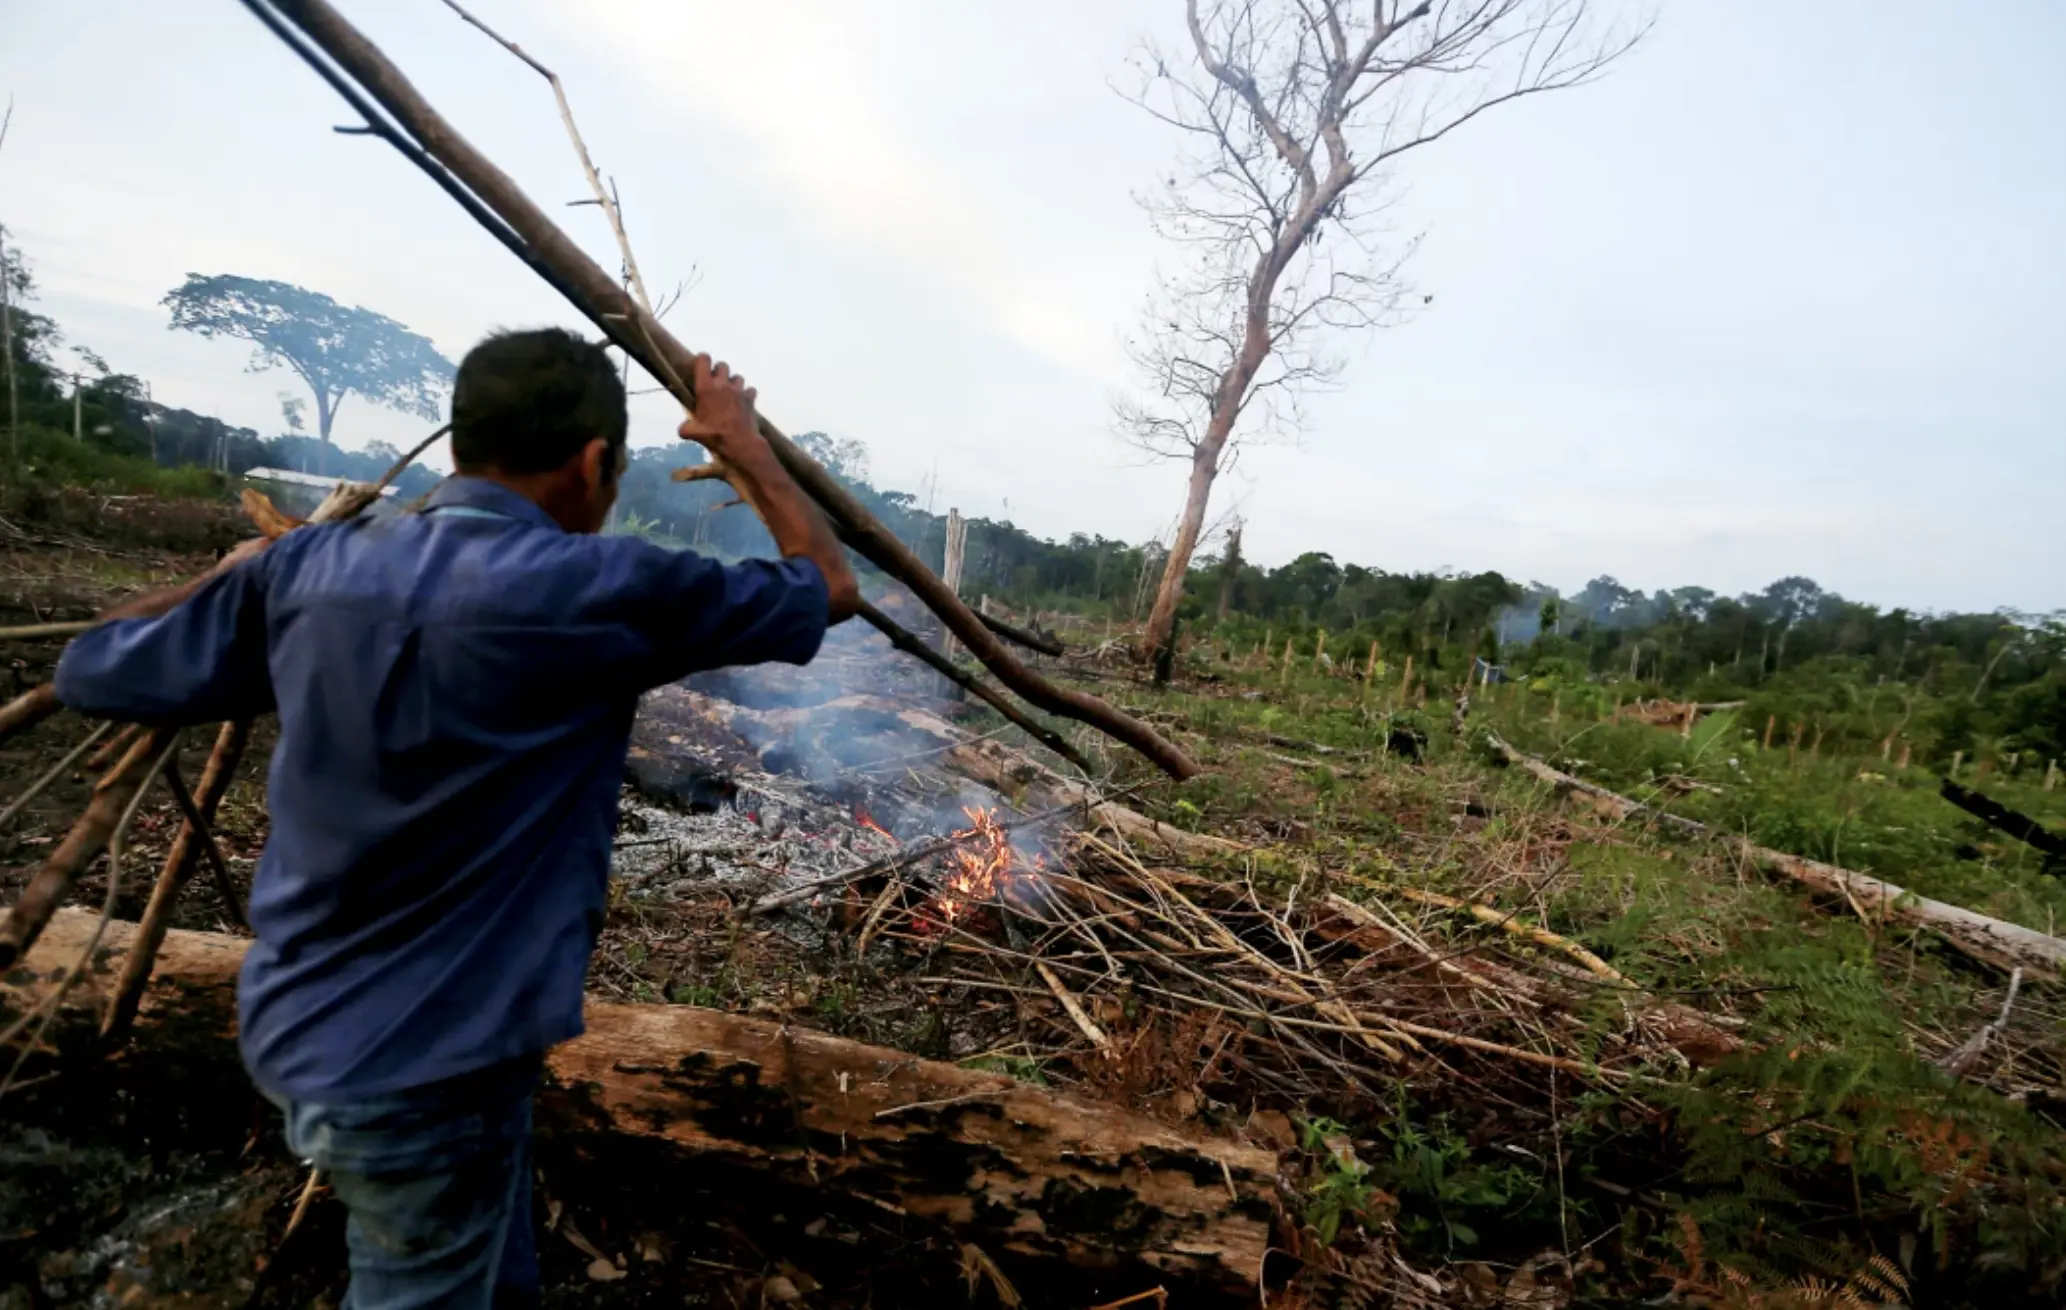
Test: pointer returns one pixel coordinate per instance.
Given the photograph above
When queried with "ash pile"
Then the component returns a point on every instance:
(770, 783)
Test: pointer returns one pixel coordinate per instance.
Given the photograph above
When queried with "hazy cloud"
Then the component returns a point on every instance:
(1781, 295)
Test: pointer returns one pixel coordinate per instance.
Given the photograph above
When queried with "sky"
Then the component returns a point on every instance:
(1783, 294)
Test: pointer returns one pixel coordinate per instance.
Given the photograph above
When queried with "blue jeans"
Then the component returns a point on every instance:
(436, 1182)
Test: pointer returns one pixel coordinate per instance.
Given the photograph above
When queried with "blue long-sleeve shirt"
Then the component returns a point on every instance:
(455, 692)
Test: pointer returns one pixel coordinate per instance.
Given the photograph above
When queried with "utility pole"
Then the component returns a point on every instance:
(78, 431)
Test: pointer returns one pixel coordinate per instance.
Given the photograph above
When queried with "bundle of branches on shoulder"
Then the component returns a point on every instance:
(397, 113)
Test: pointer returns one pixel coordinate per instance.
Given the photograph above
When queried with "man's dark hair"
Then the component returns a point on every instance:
(527, 402)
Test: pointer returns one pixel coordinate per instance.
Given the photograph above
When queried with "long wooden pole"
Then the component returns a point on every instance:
(53, 879)
(1991, 941)
(172, 878)
(357, 69)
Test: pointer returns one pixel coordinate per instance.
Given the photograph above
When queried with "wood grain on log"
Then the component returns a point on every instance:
(515, 219)
(1991, 941)
(1011, 1166)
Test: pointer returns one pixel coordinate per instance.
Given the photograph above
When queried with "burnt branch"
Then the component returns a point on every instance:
(997, 700)
(196, 831)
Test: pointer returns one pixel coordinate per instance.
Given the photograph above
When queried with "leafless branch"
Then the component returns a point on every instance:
(605, 197)
(1288, 114)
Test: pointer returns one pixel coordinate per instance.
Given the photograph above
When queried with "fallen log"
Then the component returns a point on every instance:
(1010, 1166)
(2020, 826)
(1994, 942)
(397, 113)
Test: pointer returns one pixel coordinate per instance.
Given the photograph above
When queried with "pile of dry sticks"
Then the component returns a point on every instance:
(1310, 995)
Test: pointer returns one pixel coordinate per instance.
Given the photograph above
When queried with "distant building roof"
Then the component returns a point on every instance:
(301, 479)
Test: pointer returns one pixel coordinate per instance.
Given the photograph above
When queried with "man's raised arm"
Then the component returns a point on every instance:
(187, 654)
(725, 424)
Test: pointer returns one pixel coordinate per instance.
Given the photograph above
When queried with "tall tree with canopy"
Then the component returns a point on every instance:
(338, 350)
(1294, 114)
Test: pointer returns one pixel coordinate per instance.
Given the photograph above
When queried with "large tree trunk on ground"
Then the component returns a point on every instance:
(1990, 941)
(1014, 1168)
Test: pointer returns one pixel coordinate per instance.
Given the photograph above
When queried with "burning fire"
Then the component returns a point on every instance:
(984, 866)
(863, 818)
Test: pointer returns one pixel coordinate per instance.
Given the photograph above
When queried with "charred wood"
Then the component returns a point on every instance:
(1031, 640)
(2020, 826)
(1016, 1168)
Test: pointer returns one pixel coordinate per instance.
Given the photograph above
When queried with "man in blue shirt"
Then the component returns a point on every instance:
(455, 692)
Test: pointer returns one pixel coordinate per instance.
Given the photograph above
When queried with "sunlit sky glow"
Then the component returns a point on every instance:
(1781, 295)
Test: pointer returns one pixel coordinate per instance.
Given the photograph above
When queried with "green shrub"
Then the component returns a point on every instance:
(51, 461)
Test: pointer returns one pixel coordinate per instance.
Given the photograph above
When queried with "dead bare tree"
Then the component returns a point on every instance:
(14, 400)
(1293, 114)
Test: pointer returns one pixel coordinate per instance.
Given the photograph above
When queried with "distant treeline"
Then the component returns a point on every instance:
(1847, 675)
(1851, 674)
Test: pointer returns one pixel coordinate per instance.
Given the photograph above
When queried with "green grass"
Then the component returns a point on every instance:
(1831, 1135)
(51, 460)
(1860, 813)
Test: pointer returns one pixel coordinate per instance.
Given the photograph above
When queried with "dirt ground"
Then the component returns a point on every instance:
(159, 1178)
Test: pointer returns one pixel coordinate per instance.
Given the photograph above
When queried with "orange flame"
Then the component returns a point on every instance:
(984, 863)
(863, 818)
